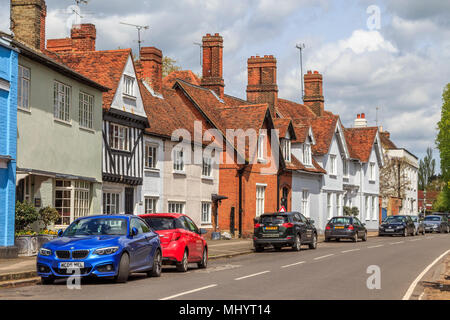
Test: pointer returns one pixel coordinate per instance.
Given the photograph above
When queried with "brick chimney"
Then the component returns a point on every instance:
(83, 37)
(150, 67)
(28, 22)
(213, 63)
(262, 81)
(314, 92)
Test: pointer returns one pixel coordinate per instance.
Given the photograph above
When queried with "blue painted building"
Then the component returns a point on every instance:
(8, 145)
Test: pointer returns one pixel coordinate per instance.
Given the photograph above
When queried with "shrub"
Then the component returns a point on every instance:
(48, 216)
(351, 211)
(26, 215)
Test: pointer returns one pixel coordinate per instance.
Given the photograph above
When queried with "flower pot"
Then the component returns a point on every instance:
(28, 245)
(44, 238)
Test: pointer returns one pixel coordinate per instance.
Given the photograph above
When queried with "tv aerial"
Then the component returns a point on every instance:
(139, 28)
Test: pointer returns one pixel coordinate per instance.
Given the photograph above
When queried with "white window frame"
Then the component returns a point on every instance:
(372, 171)
(24, 88)
(111, 202)
(367, 207)
(151, 158)
(329, 205)
(207, 167)
(260, 198)
(176, 207)
(62, 100)
(333, 164)
(79, 198)
(286, 149)
(305, 203)
(119, 139)
(345, 168)
(150, 205)
(307, 160)
(374, 208)
(261, 147)
(128, 86)
(86, 110)
(206, 212)
(178, 160)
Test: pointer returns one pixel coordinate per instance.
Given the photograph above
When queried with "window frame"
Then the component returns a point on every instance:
(305, 203)
(67, 101)
(21, 80)
(333, 165)
(116, 205)
(121, 137)
(128, 86)
(178, 160)
(307, 158)
(86, 110)
(208, 213)
(260, 199)
(286, 149)
(176, 203)
(154, 201)
(154, 156)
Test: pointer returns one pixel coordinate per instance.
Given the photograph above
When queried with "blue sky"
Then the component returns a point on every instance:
(402, 67)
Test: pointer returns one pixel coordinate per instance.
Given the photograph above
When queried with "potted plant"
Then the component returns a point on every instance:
(47, 216)
(26, 238)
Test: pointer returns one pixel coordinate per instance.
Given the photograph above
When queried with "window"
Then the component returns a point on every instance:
(118, 137)
(367, 208)
(206, 212)
(81, 199)
(150, 205)
(333, 164)
(345, 168)
(260, 196)
(63, 201)
(305, 203)
(61, 101)
(307, 154)
(129, 85)
(86, 110)
(72, 200)
(135, 223)
(150, 156)
(206, 170)
(111, 203)
(261, 151)
(374, 208)
(286, 149)
(372, 171)
(338, 204)
(329, 206)
(176, 207)
(23, 94)
(178, 161)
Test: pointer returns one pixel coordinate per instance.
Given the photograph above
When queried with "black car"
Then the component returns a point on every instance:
(345, 228)
(436, 223)
(397, 225)
(287, 229)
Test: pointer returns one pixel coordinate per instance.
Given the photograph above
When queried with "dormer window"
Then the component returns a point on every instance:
(129, 86)
(261, 151)
(286, 149)
(307, 154)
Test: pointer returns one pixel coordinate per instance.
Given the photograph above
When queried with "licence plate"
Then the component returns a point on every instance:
(271, 228)
(339, 227)
(389, 230)
(71, 265)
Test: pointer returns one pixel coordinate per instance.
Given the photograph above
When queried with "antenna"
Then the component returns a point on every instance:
(139, 28)
(200, 47)
(300, 47)
(377, 116)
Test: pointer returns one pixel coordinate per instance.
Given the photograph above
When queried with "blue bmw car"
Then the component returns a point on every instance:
(101, 246)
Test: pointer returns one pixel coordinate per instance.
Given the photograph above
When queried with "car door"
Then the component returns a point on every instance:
(305, 228)
(196, 239)
(190, 239)
(138, 246)
(359, 227)
(152, 242)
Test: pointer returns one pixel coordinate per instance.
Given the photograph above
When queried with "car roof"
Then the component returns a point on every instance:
(123, 216)
(434, 215)
(161, 215)
(279, 213)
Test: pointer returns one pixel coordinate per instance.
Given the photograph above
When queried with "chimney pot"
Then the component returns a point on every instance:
(358, 116)
(83, 37)
(363, 115)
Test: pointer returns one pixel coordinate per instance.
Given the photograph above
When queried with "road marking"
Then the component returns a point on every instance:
(293, 264)
(380, 245)
(252, 275)
(413, 285)
(397, 242)
(188, 292)
(350, 250)
(328, 255)
(415, 240)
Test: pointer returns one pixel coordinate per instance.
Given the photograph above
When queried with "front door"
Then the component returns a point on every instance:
(129, 200)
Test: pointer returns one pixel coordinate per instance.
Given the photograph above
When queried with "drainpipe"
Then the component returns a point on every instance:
(240, 173)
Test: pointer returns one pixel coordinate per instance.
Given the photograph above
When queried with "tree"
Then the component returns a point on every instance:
(443, 144)
(427, 168)
(169, 65)
(394, 181)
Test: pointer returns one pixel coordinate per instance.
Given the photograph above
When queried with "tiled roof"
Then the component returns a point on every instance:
(323, 129)
(301, 132)
(282, 124)
(234, 101)
(185, 75)
(105, 67)
(296, 165)
(290, 109)
(243, 117)
(386, 142)
(360, 142)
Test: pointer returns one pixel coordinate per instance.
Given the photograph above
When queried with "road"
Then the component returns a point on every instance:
(335, 270)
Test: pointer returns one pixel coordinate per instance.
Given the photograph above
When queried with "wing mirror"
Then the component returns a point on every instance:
(60, 233)
(311, 221)
(134, 231)
(202, 231)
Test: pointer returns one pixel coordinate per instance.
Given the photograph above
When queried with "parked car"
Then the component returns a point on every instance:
(287, 229)
(345, 228)
(397, 225)
(181, 240)
(436, 223)
(101, 246)
(418, 224)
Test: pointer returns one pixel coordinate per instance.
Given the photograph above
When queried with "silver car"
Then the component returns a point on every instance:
(436, 224)
(418, 224)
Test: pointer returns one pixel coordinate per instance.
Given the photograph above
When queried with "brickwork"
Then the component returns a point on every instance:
(28, 22)
(151, 67)
(314, 92)
(213, 64)
(83, 37)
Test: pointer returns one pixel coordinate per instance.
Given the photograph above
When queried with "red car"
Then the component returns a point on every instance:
(181, 240)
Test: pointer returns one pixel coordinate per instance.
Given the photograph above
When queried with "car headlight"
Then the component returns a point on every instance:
(45, 252)
(106, 251)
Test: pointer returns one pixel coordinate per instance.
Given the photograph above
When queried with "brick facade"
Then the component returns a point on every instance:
(313, 97)
(212, 63)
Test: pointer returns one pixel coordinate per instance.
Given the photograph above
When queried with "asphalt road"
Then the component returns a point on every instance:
(335, 270)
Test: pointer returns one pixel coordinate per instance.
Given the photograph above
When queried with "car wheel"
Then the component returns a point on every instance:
(157, 265)
(204, 263)
(313, 244)
(355, 238)
(124, 269)
(47, 280)
(259, 248)
(297, 243)
(183, 265)
(365, 236)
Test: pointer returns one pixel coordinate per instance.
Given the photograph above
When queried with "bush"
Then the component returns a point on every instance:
(48, 216)
(26, 215)
(351, 211)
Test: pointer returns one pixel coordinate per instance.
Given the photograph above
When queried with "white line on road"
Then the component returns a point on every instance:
(380, 245)
(415, 240)
(188, 292)
(293, 264)
(328, 255)
(350, 250)
(252, 275)
(397, 242)
(413, 285)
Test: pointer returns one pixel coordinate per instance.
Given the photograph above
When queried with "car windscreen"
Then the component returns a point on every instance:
(97, 227)
(432, 219)
(274, 219)
(341, 220)
(163, 223)
(394, 220)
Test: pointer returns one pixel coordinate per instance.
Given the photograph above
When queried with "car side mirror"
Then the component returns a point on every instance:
(60, 233)
(134, 231)
(363, 224)
(311, 221)
(202, 231)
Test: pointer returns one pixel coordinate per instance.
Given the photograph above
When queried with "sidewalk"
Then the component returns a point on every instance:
(22, 271)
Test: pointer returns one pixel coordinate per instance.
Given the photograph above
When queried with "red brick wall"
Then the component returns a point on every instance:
(151, 63)
(213, 63)
(83, 37)
(314, 92)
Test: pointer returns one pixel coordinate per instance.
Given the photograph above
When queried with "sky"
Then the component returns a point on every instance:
(397, 61)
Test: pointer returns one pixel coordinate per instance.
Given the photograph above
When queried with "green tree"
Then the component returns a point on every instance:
(443, 144)
(169, 65)
(427, 167)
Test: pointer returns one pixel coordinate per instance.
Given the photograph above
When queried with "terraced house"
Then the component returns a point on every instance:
(59, 123)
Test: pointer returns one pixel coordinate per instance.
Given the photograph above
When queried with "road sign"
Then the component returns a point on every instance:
(282, 209)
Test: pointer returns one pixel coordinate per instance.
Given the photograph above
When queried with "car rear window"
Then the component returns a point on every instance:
(274, 219)
(163, 223)
(394, 219)
(341, 220)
